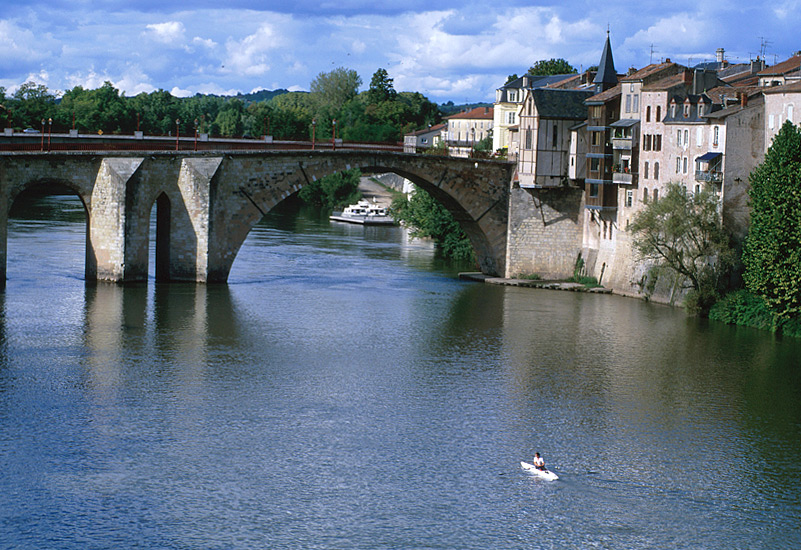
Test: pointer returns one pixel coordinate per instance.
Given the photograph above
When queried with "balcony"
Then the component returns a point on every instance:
(622, 178)
(621, 143)
(710, 176)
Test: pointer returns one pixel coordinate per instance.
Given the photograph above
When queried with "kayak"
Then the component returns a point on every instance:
(544, 474)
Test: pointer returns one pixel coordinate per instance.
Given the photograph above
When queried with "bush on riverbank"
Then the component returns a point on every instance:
(744, 308)
(427, 218)
(334, 191)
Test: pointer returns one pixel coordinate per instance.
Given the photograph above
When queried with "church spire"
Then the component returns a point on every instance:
(607, 76)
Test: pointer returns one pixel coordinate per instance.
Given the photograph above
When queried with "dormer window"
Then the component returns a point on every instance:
(512, 96)
(686, 110)
(673, 110)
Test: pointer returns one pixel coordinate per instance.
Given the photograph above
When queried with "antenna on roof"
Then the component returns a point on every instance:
(653, 51)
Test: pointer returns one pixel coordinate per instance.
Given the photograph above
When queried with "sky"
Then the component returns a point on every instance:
(447, 50)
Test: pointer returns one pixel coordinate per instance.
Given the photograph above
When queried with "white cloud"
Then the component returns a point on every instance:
(170, 32)
(251, 56)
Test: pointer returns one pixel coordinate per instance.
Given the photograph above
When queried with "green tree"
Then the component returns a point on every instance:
(683, 232)
(335, 88)
(427, 218)
(32, 103)
(772, 250)
(381, 88)
(511, 78)
(546, 67)
(229, 121)
(333, 191)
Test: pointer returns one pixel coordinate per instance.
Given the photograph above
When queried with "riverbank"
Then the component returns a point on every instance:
(533, 283)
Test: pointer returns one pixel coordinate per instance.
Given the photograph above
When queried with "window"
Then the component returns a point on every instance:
(656, 170)
(678, 138)
(628, 103)
(697, 188)
(673, 111)
(528, 139)
(648, 114)
(555, 134)
(595, 111)
(716, 135)
(658, 113)
(512, 96)
(658, 142)
(656, 195)
(686, 110)
(686, 137)
(596, 138)
(684, 166)
(699, 137)
(629, 198)
(595, 164)
(635, 106)
(594, 190)
(646, 142)
(510, 118)
(678, 165)
(645, 171)
(645, 195)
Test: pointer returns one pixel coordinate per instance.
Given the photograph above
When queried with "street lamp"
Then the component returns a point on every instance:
(472, 142)
(314, 131)
(43, 122)
(49, 131)
(334, 142)
(177, 131)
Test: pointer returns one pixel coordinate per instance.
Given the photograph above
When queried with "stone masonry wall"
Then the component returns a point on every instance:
(545, 232)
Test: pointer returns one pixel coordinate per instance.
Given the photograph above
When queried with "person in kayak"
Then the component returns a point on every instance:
(539, 463)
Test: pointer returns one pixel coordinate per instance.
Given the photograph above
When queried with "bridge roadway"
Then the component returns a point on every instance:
(208, 201)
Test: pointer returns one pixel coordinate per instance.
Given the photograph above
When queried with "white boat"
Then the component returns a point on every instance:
(544, 474)
(365, 213)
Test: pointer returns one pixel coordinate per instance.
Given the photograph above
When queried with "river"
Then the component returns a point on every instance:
(346, 391)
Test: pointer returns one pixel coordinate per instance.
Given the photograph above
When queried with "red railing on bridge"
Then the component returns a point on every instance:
(66, 143)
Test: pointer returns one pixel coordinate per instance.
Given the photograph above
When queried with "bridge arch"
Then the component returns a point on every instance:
(475, 192)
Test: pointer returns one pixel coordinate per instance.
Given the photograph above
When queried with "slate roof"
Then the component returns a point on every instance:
(606, 68)
(564, 104)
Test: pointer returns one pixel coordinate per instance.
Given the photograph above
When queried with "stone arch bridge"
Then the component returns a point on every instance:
(207, 202)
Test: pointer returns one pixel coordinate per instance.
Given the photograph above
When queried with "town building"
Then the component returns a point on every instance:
(464, 130)
(421, 140)
(508, 100)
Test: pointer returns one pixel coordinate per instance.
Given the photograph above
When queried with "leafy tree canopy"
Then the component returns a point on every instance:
(772, 251)
(333, 89)
(546, 67)
(683, 232)
(381, 88)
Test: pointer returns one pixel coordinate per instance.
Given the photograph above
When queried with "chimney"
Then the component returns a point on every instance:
(743, 99)
(687, 76)
(486, 110)
(720, 56)
(525, 81)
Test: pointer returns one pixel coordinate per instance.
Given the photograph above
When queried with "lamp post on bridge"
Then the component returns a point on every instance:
(177, 131)
(42, 146)
(314, 131)
(472, 142)
(334, 141)
(49, 131)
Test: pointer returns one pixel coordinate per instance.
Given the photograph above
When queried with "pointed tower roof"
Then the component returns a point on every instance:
(607, 76)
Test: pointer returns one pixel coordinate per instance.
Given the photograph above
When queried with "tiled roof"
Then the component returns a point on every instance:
(787, 88)
(664, 84)
(606, 95)
(436, 128)
(783, 67)
(477, 113)
(652, 70)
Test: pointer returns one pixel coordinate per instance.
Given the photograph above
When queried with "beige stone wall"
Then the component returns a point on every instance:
(545, 232)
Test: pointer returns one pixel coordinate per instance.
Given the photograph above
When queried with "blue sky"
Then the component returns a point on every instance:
(447, 50)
